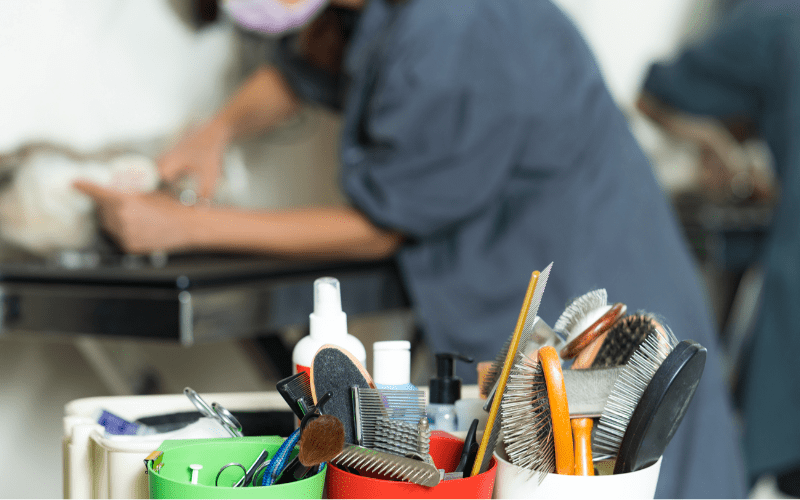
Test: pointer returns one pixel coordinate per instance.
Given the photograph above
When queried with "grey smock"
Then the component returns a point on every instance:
(750, 67)
(483, 131)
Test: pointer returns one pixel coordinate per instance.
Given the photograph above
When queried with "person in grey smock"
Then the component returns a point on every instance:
(479, 143)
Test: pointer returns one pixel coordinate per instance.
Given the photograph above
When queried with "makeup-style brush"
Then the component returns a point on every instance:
(321, 440)
(541, 335)
(522, 333)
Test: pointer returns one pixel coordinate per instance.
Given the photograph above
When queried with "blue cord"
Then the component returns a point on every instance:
(280, 459)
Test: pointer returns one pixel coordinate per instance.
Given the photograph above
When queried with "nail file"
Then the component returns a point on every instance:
(335, 370)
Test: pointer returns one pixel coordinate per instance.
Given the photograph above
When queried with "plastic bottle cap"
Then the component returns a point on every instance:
(391, 362)
(328, 321)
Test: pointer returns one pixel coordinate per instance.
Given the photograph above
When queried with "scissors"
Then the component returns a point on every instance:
(215, 411)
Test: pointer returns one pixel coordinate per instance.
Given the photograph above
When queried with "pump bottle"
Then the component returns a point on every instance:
(445, 390)
(327, 325)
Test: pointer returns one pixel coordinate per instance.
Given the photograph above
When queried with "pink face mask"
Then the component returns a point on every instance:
(273, 16)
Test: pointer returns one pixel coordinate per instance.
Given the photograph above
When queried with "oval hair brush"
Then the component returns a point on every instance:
(536, 427)
(624, 338)
(649, 400)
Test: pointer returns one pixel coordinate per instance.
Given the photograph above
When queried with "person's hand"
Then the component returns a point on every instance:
(198, 154)
(141, 223)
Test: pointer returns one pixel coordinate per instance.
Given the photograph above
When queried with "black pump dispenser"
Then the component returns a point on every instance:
(445, 388)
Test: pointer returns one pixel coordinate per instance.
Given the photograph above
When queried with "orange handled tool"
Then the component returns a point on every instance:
(559, 410)
(582, 432)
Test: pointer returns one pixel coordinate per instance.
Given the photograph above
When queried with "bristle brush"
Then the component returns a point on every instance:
(522, 332)
(649, 401)
(624, 338)
(590, 305)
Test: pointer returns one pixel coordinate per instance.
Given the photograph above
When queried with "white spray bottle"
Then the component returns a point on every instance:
(327, 325)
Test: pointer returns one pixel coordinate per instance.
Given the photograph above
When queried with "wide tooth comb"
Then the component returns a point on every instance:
(385, 464)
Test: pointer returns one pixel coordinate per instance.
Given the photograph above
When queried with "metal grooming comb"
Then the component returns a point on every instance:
(386, 464)
(370, 405)
(521, 337)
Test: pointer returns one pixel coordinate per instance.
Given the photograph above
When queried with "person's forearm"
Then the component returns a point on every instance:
(263, 101)
(310, 233)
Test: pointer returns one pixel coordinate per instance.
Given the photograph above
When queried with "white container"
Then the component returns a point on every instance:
(513, 482)
(327, 325)
(100, 466)
(391, 365)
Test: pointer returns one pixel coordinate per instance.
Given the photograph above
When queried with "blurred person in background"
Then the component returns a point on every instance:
(748, 70)
(479, 143)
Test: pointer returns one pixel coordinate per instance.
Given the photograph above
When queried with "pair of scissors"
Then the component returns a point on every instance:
(215, 411)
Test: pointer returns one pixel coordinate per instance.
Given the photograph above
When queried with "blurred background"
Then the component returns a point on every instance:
(90, 82)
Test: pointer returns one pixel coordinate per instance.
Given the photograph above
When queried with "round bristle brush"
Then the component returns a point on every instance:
(536, 428)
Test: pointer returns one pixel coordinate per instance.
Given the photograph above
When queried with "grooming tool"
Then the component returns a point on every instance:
(156, 458)
(542, 335)
(335, 370)
(624, 338)
(286, 472)
(388, 465)
(559, 410)
(372, 405)
(588, 390)
(649, 400)
(527, 421)
(296, 391)
(595, 330)
(195, 468)
(582, 442)
(581, 313)
(215, 411)
(322, 439)
(251, 472)
(221, 469)
(470, 449)
(403, 439)
(522, 333)
(280, 459)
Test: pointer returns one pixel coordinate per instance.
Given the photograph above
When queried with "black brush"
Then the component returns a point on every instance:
(624, 338)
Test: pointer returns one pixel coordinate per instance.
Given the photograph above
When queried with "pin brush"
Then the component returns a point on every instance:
(522, 333)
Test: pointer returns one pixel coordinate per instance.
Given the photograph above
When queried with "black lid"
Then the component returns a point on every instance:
(445, 388)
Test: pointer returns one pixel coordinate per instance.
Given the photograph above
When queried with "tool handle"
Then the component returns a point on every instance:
(559, 410)
(582, 433)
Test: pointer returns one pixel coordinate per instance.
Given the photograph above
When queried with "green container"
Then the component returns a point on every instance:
(174, 478)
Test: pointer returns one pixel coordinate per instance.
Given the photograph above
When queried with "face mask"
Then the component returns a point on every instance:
(273, 16)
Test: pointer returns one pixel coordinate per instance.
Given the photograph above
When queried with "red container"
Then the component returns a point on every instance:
(445, 451)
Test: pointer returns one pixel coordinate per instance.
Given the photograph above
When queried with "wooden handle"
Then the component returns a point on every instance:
(559, 410)
(582, 432)
(599, 327)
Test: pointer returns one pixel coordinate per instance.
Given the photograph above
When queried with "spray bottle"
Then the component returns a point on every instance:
(327, 325)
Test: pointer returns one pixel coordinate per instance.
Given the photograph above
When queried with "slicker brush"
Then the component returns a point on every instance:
(527, 424)
(628, 390)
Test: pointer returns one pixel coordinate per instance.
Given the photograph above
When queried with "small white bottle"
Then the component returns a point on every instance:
(391, 365)
(327, 325)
